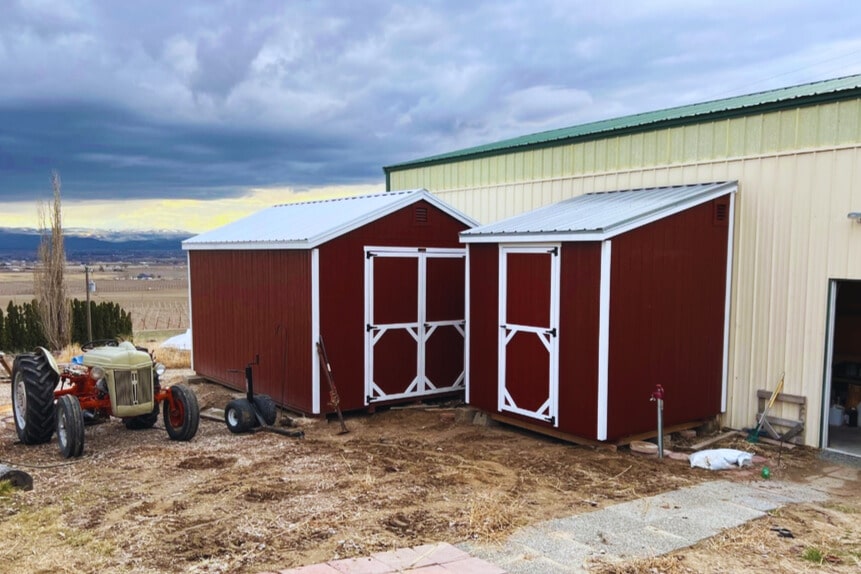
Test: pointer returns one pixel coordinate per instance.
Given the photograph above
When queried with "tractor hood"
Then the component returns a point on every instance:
(123, 356)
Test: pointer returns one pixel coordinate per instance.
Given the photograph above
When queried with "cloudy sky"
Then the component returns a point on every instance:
(197, 112)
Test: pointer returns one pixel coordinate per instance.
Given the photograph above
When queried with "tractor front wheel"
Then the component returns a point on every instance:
(70, 426)
(239, 416)
(181, 413)
(142, 422)
(33, 382)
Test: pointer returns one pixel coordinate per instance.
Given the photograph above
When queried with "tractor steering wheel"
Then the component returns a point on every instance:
(90, 345)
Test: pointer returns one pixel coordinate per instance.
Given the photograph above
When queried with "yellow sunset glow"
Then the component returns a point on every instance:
(195, 216)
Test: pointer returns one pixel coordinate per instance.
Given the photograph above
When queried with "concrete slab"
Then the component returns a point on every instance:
(646, 527)
(845, 473)
(826, 483)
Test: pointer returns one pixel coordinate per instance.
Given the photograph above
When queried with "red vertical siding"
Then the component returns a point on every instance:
(445, 302)
(483, 325)
(668, 283)
(527, 303)
(580, 277)
(245, 303)
(342, 289)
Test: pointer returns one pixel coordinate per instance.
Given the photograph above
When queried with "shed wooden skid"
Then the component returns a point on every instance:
(588, 328)
(276, 297)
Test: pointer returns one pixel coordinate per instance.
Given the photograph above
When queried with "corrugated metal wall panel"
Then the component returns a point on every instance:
(805, 128)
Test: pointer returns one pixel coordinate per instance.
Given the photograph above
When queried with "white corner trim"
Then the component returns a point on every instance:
(727, 305)
(315, 331)
(467, 333)
(604, 339)
(188, 279)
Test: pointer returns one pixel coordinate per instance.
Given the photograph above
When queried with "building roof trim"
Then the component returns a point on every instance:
(597, 216)
(781, 98)
(308, 224)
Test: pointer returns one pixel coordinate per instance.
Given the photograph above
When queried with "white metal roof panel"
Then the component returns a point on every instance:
(308, 224)
(598, 216)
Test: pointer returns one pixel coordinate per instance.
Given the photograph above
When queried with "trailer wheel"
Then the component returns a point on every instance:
(182, 420)
(142, 422)
(239, 416)
(267, 408)
(70, 426)
(33, 382)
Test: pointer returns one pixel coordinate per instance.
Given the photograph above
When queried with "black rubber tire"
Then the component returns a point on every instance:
(70, 426)
(239, 416)
(33, 383)
(182, 423)
(267, 408)
(142, 422)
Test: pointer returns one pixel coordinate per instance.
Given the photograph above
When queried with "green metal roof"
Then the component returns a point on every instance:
(793, 96)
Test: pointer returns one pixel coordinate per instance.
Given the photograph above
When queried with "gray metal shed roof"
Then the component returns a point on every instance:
(311, 223)
(597, 216)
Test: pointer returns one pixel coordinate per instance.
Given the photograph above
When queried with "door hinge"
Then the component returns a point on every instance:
(369, 254)
(369, 328)
(554, 250)
(551, 420)
(551, 332)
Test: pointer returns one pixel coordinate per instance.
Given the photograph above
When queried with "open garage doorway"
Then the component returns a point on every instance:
(842, 392)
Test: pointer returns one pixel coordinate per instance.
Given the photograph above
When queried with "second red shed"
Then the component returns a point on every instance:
(379, 278)
(578, 310)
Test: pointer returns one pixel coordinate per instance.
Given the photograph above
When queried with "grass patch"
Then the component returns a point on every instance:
(814, 555)
(6, 488)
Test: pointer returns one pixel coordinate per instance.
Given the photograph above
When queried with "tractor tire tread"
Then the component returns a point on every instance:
(39, 380)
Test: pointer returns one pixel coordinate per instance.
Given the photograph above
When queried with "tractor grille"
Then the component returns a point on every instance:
(133, 387)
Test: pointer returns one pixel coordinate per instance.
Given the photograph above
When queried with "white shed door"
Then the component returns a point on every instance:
(414, 316)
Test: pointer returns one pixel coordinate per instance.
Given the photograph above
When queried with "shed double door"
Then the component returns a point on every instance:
(414, 322)
(528, 341)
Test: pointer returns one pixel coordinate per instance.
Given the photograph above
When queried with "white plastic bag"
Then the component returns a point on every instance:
(720, 459)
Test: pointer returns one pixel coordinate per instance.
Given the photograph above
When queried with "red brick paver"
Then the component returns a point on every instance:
(439, 558)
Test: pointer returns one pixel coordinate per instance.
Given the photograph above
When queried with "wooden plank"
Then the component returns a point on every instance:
(712, 440)
(5, 365)
(552, 432)
(782, 397)
(651, 434)
(781, 421)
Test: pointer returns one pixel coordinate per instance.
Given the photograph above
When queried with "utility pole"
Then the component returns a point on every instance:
(89, 311)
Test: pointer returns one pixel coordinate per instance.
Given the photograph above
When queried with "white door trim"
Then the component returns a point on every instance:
(549, 335)
(420, 330)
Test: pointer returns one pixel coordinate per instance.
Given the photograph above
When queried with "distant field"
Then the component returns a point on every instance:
(158, 303)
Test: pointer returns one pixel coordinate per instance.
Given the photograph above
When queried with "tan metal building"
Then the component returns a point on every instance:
(796, 262)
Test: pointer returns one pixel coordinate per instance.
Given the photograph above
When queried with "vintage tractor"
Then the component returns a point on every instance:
(110, 379)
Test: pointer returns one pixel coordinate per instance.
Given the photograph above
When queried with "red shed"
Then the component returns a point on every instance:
(579, 309)
(380, 278)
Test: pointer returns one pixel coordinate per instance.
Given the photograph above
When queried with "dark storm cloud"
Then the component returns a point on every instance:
(203, 99)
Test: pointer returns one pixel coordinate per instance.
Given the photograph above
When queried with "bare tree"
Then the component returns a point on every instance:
(50, 284)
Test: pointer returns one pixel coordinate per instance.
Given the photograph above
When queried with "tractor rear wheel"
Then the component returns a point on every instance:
(33, 382)
(239, 416)
(267, 408)
(70, 426)
(182, 420)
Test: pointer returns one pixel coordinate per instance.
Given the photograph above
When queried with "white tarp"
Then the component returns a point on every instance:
(182, 342)
(720, 459)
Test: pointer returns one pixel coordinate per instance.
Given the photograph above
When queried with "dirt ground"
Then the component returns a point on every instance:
(138, 502)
